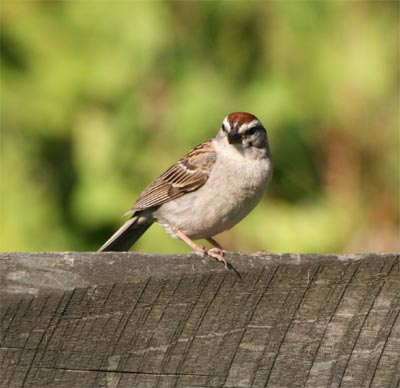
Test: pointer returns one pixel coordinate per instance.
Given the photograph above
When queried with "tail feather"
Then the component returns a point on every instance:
(125, 236)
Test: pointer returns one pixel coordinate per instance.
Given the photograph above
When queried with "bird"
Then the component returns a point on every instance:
(209, 190)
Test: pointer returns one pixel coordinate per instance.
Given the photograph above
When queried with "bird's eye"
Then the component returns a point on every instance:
(223, 128)
(251, 131)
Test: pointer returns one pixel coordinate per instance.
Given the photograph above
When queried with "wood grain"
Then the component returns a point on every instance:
(134, 320)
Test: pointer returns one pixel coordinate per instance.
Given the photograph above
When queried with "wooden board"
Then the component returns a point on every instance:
(134, 320)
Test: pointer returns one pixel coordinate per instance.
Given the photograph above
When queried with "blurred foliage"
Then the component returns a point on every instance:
(97, 99)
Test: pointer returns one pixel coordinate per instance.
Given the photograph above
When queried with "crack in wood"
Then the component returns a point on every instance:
(106, 371)
(290, 320)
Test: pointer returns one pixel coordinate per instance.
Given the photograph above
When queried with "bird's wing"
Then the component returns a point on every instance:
(188, 174)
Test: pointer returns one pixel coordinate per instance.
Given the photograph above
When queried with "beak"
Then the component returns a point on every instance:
(233, 137)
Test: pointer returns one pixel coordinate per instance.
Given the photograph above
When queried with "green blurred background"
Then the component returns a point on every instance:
(99, 98)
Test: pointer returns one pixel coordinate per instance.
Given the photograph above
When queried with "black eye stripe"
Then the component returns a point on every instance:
(253, 130)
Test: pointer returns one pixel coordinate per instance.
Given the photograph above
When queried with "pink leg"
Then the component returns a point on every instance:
(215, 243)
(215, 253)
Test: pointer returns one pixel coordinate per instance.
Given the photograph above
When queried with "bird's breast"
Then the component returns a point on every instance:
(232, 190)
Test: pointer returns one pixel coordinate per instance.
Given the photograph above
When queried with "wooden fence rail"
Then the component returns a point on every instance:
(92, 320)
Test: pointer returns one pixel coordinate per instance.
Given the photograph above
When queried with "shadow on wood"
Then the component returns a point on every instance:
(134, 320)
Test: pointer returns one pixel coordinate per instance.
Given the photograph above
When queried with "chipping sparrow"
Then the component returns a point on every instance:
(209, 190)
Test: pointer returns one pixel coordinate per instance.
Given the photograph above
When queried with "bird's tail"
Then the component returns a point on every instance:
(126, 235)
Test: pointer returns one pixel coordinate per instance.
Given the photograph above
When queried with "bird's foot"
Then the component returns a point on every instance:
(217, 254)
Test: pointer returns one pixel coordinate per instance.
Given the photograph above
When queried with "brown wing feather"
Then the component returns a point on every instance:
(188, 174)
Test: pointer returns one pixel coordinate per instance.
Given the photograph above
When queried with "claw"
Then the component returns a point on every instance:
(217, 254)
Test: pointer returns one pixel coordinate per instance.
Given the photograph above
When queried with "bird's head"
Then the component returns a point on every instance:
(244, 131)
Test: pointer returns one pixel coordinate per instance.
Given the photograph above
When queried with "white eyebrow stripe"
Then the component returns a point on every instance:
(253, 123)
(245, 126)
(226, 123)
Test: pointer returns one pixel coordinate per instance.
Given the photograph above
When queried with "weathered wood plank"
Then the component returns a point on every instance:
(134, 320)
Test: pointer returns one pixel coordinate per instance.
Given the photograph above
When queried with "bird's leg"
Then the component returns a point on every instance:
(190, 242)
(215, 253)
(215, 243)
